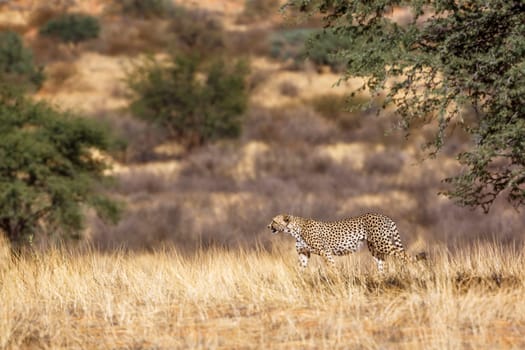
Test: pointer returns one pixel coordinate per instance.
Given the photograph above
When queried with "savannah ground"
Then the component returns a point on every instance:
(224, 281)
(221, 299)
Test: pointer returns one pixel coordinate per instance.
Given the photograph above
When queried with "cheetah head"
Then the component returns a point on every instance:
(279, 224)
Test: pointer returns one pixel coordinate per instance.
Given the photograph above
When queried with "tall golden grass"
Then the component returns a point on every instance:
(470, 298)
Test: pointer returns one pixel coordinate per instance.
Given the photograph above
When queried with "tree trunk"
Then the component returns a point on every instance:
(20, 245)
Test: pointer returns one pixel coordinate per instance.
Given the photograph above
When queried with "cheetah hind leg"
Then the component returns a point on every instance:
(328, 258)
(402, 256)
(380, 264)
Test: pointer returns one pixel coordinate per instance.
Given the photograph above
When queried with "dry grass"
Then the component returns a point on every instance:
(472, 298)
(60, 76)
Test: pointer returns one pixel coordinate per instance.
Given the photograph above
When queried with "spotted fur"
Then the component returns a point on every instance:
(329, 239)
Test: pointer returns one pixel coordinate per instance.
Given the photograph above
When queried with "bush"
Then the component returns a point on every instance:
(143, 8)
(252, 41)
(160, 24)
(258, 9)
(336, 108)
(119, 38)
(384, 163)
(288, 88)
(194, 102)
(296, 44)
(287, 126)
(48, 171)
(16, 62)
(290, 44)
(72, 28)
(323, 50)
(196, 32)
(43, 13)
(60, 74)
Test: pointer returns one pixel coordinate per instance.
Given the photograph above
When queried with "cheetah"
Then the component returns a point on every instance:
(342, 237)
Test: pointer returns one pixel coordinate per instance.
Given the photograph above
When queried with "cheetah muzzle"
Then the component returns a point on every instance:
(275, 228)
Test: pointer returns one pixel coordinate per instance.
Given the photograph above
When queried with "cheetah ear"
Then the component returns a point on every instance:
(286, 218)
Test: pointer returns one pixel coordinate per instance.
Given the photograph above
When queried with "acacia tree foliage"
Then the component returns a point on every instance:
(47, 171)
(452, 59)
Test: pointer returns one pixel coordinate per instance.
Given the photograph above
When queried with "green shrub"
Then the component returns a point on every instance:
(290, 44)
(144, 8)
(323, 50)
(48, 173)
(297, 44)
(194, 102)
(74, 28)
(16, 62)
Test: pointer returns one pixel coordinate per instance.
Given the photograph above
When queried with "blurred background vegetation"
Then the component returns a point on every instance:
(221, 115)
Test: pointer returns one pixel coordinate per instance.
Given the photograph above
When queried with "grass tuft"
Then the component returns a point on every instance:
(219, 298)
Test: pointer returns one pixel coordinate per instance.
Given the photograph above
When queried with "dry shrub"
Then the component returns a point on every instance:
(140, 183)
(384, 163)
(210, 168)
(336, 107)
(140, 137)
(438, 219)
(190, 222)
(252, 41)
(459, 226)
(256, 78)
(197, 31)
(234, 225)
(59, 75)
(119, 37)
(207, 204)
(43, 13)
(288, 88)
(181, 29)
(288, 126)
(214, 205)
(358, 118)
(150, 9)
(143, 227)
(257, 10)
(292, 163)
(49, 50)
(19, 28)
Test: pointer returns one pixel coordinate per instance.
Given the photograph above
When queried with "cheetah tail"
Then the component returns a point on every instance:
(403, 256)
(421, 256)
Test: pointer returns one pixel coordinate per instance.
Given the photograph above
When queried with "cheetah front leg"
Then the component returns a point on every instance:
(304, 254)
(303, 260)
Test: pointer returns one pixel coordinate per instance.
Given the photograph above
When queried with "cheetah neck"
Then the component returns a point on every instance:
(295, 232)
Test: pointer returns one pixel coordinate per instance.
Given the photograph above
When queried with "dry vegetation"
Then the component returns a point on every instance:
(293, 160)
(257, 299)
(224, 281)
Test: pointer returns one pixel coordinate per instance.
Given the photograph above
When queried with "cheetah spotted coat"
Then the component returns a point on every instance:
(342, 237)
